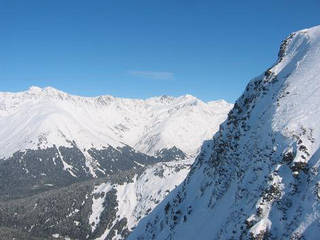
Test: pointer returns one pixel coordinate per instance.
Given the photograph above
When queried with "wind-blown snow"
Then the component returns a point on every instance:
(40, 118)
(259, 176)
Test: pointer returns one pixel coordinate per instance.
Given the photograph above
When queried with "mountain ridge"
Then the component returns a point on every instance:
(105, 120)
(258, 177)
(92, 167)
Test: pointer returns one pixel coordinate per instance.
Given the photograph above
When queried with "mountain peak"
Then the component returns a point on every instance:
(148, 125)
(259, 176)
(34, 89)
(45, 91)
(311, 31)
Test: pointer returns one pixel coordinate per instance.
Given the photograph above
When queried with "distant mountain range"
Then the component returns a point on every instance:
(41, 118)
(91, 168)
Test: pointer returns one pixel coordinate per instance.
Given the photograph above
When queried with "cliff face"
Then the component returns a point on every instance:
(258, 177)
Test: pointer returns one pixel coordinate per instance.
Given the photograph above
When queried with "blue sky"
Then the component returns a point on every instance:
(209, 49)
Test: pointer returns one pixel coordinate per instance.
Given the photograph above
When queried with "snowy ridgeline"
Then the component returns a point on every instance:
(258, 178)
(91, 168)
(41, 118)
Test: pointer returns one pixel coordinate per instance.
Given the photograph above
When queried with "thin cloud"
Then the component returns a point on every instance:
(153, 75)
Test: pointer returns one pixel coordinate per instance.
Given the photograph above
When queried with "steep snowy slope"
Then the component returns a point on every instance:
(140, 196)
(41, 118)
(259, 176)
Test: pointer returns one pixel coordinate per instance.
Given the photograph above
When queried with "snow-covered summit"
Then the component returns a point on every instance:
(50, 139)
(43, 117)
(259, 176)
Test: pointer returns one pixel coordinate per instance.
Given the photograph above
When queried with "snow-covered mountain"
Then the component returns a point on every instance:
(258, 178)
(41, 118)
(138, 197)
(103, 208)
(91, 168)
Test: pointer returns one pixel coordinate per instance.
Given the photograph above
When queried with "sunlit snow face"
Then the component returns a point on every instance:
(47, 117)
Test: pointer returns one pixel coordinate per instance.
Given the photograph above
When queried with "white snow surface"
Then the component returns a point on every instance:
(98, 198)
(137, 198)
(143, 194)
(259, 176)
(43, 117)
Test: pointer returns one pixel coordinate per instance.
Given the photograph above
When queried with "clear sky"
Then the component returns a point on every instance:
(133, 48)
